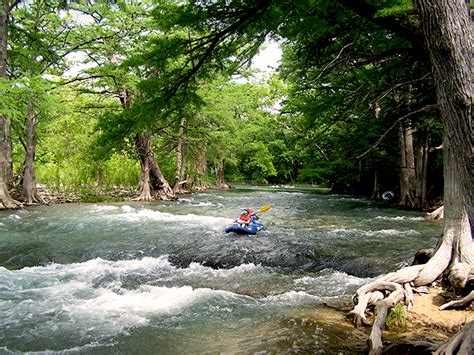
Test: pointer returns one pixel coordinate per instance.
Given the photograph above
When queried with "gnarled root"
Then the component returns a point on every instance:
(364, 300)
(461, 343)
(381, 309)
(436, 214)
(384, 293)
(374, 294)
(464, 302)
(460, 274)
(9, 203)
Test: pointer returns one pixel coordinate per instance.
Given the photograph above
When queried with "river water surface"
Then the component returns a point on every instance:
(163, 278)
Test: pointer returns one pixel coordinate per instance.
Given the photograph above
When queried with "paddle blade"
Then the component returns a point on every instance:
(264, 209)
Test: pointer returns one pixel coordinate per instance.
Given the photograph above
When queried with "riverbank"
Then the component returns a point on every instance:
(425, 328)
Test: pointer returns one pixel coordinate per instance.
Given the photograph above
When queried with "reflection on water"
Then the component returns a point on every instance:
(164, 277)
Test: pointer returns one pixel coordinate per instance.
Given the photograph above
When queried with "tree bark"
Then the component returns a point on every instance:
(448, 33)
(407, 169)
(376, 191)
(199, 167)
(421, 169)
(436, 214)
(29, 192)
(219, 171)
(6, 170)
(179, 185)
(164, 191)
(149, 170)
(142, 143)
(461, 343)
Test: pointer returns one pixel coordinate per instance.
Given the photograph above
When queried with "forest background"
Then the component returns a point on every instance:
(351, 107)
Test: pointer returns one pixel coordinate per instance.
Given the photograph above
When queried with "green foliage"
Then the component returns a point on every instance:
(92, 197)
(396, 317)
(401, 7)
(149, 63)
(120, 171)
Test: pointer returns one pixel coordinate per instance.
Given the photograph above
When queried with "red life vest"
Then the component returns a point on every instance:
(246, 217)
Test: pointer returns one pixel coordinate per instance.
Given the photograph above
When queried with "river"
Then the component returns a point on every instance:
(163, 278)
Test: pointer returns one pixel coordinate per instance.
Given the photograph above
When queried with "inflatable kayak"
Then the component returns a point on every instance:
(250, 229)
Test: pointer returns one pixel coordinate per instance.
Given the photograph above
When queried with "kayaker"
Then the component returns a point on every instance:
(245, 218)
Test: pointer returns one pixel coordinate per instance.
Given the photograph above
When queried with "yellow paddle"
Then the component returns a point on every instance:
(263, 209)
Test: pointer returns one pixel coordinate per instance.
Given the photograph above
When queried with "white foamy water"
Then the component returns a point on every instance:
(330, 283)
(399, 218)
(352, 232)
(84, 297)
(133, 214)
(291, 298)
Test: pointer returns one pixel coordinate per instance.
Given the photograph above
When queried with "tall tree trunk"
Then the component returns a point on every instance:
(448, 33)
(29, 192)
(376, 191)
(6, 171)
(149, 170)
(407, 170)
(179, 185)
(199, 167)
(100, 174)
(421, 159)
(142, 142)
(219, 171)
(164, 191)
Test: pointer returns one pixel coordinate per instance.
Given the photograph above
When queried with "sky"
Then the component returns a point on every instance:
(268, 58)
(266, 61)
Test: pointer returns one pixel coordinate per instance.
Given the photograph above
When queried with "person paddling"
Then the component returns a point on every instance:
(246, 217)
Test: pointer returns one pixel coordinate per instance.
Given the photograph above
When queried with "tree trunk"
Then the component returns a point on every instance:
(219, 171)
(199, 167)
(29, 192)
(150, 169)
(179, 185)
(164, 191)
(6, 171)
(448, 33)
(142, 143)
(100, 174)
(376, 191)
(421, 171)
(407, 171)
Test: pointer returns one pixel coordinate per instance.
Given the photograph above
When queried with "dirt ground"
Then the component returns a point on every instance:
(425, 312)
(426, 326)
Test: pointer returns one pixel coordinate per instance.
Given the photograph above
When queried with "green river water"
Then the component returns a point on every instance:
(164, 278)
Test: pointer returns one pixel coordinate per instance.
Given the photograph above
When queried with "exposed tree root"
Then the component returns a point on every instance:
(165, 193)
(436, 214)
(461, 343)
(390, 289)
(381, 309)
(464, 302)
(8, 202)
(32, 197)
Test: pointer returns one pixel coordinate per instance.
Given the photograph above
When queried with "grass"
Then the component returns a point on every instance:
(396, 318)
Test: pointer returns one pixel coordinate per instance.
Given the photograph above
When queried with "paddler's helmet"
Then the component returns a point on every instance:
(246, 211)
